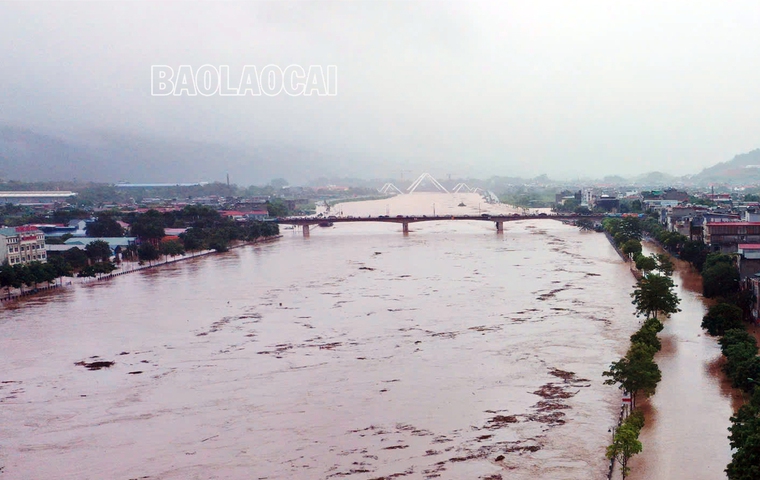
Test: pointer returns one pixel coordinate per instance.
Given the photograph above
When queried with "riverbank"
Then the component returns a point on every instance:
(124, 268)
(685, 434)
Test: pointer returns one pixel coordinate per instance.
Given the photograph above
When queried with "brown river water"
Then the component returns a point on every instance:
(358, 352)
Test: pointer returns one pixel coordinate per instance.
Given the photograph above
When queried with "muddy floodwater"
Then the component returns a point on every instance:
(688, 419)
(357, 353)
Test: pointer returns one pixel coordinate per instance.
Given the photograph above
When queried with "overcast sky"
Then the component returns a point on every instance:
(565, 88)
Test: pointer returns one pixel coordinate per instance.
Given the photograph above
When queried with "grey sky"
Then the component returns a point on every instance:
(512, 87)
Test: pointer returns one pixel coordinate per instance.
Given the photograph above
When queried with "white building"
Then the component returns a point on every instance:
(20, 245)
(35, 198)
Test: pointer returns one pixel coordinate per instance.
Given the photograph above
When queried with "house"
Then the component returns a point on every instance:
(725, 237)
(749, 259)
(20, 245)
(608, 203)
(113, 242)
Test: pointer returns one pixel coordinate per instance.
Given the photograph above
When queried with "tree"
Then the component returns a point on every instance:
(647, 334)
(279, 183)
(76, 257)
(104, 226)
(722, 317)
(654, 293)
(631, 247)
(585, 224)
(630, 227)
(98, 251)
(147, 252)
(664, 264)
(61, 267)
(646, 264)
(172, 248)
(9, 278)
(625, 444)
(719, 279)
(636, 372)
(745, 441)
(149, 226)
(277, 208)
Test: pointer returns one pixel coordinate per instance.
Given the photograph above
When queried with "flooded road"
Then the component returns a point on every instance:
(688, 418)
(357, 353)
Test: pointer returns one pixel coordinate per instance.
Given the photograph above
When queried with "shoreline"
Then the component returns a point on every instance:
(7, 299)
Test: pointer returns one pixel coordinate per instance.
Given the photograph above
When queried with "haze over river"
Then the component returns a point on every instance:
(358, 353)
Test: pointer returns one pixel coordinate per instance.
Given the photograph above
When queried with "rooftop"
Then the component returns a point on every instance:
(36, 193)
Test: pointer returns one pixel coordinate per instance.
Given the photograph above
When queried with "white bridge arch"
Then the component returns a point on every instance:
(423, 177)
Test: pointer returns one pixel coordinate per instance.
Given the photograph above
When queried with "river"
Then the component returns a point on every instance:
(687, 420)
(357, 352)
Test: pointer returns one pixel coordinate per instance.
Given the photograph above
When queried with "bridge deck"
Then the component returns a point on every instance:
(424, 218)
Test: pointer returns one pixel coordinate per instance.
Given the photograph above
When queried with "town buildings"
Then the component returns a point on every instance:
(19, 245)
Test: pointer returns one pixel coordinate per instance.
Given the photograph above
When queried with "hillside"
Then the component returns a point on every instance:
(743, 168)
(33, 156)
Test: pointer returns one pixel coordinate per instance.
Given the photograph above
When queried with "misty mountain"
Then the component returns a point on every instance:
(29, 155)
(742, 169)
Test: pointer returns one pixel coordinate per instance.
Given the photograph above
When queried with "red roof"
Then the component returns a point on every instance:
(749, 246)
(734, 224)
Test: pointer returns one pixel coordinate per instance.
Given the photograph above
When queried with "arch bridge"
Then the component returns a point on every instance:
(405, 220)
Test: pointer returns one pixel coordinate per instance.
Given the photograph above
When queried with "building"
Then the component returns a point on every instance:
(113, 242)
(608, 203)
(749, 259)
(36, 198)
(725, 237)
(19, 245)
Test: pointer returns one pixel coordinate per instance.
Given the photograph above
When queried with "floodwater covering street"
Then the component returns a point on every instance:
(358, 352)
(687, 420)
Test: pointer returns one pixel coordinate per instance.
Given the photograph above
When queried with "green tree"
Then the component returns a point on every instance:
(647, 334)
(147, 252)
(9, 278)
(646, 264)
(745, 441)
(636, 372)
(76, 257)
(585, 224)
(654, 293)
(148, 226)
(172, 248)
(104, 226)
(664, 264)
(722, 317)
(625, 445)
(98, 251)
(277, 208)
(630, 227)
(631, 247)
(719, 279)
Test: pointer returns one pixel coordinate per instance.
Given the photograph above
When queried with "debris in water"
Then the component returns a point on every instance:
(95, 365)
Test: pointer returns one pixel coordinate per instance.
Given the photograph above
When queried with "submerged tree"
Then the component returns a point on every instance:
(654, 293)
(636, 372)
(625, 444)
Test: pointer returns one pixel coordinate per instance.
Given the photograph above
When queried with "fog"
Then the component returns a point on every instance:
(584, 88)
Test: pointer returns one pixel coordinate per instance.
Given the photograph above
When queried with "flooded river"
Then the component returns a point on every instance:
(358, 352)
(688, 418)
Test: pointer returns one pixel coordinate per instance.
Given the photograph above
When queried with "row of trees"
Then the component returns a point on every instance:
(725, 319)
(637, 372)
(720, 280)
(31, 274)
(90, 262)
